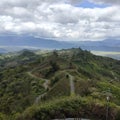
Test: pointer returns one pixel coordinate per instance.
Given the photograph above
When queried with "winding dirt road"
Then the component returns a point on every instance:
(45, 85)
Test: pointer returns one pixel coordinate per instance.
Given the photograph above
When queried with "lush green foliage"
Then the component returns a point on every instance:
(70, 107)
(23, 79)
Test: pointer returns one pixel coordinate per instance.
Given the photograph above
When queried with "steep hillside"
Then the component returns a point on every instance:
(72, 74)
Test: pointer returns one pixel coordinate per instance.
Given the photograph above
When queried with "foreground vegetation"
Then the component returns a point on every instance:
(74, 107)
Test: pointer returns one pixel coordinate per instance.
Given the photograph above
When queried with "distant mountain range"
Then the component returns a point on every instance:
(16, 43)
(105, 45)
(3, 50)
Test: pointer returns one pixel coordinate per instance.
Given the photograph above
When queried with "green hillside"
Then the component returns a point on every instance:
(57, 84)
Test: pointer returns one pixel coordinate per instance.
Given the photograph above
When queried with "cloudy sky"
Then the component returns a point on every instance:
(68, 20)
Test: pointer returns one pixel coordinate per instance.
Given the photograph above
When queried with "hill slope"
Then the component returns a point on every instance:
(53, 75)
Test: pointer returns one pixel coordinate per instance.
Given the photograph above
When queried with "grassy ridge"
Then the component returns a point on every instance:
(94, 78)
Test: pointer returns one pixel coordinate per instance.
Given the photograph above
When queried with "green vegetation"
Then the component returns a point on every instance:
(70, 107)
(27, 77)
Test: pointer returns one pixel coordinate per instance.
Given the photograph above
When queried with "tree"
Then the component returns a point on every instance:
(54, 65)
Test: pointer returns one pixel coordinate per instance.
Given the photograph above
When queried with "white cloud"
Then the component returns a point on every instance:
(58, 19)
(74, 1)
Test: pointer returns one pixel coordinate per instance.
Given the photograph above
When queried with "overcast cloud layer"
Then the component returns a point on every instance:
(60, 19)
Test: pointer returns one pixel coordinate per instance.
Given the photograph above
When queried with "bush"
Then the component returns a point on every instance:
(69, 107)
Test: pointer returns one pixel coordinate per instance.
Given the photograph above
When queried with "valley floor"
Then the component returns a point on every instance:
(115, 55)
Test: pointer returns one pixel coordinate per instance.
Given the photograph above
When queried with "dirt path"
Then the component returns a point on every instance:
(31, 75)
(45, 85)
(72, 86)
(37, 100)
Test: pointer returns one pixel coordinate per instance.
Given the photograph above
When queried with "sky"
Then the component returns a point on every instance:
(62, 20)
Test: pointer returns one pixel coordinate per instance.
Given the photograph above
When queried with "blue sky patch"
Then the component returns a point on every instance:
(87, 4)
